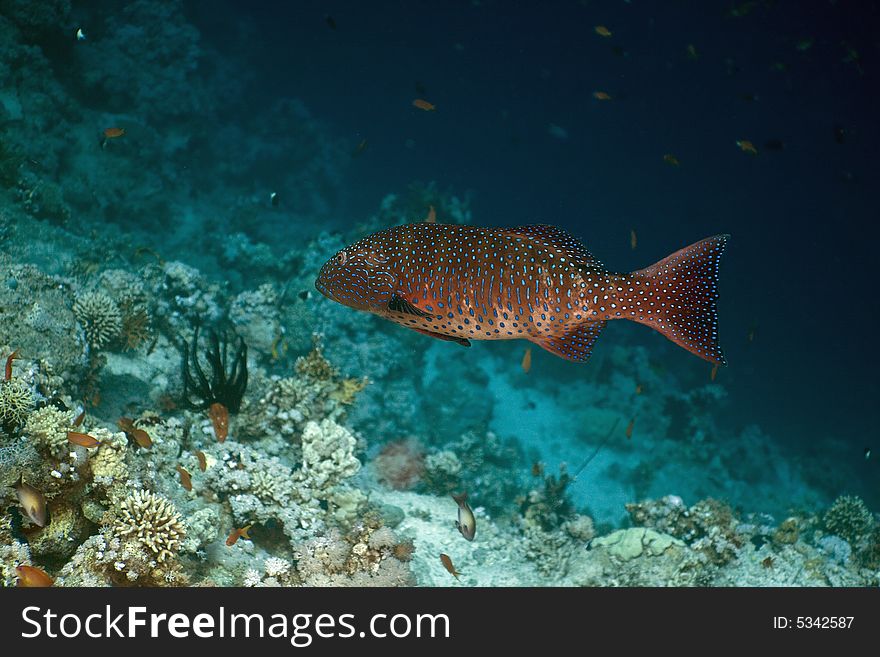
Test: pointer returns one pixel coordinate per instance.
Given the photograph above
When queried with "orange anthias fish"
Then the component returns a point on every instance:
(669, 158)
(447, 564)
(237, 534)
(32, 577)
(602, 31)
(432, 215)
(185, 478)
(633, 239)
(9, 360)
(203, 460)
(527, 360)
(114, 133)
(141, 437)
(601, 95)
(82, 439)
(424, 105)
(219, 415)
(538, 283)
(747, 147)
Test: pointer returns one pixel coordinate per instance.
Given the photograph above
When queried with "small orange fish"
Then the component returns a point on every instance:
(203, 461)
(633, 239)
(114, 133)
(219, 415)
(601, 95)
(33, 577)
(638, 388)
(432, 215)
(714, 372)
(237, 534)
(527, 360)
(669, 158)
(447, 564)
(629, 427)
(185, 478)
(82, 439)
(602, 31)
(141, 437)
(79, 418)
(747, 147)
(424, 105)
(9, 360)
(32, 501)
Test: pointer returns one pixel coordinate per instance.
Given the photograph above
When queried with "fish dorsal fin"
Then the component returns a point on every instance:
(560, 240)
(576, 345)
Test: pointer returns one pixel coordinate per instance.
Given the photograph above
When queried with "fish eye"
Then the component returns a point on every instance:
(341, 257)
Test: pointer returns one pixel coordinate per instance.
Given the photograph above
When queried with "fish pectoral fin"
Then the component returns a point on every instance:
(464, 342)
(576, 345)
(398, 304)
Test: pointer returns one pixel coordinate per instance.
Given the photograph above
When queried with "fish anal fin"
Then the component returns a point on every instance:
(398, 304)
(576, 344)
(464, 342)
(559, 240)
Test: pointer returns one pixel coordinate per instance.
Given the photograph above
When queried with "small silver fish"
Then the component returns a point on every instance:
(466, 523)
(867, 453)
(80, 35)
(32, 502)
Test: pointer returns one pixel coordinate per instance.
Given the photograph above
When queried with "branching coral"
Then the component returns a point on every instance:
(16, 403)
(328, 455)
(368, 556)
(100, 317)
(48, 427)
(710, 527)
(152, 521)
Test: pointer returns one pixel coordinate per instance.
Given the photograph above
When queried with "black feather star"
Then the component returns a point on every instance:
(220, 386)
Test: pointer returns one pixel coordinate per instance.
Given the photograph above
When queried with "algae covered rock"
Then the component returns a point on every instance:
(626, 544)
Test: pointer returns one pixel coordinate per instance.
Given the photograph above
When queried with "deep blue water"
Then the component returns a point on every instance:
(798, 79)
(800, 267)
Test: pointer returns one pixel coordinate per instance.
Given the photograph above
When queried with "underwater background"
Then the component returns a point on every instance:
(173, 175)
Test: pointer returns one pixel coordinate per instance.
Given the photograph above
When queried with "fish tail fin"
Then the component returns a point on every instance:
(677, 297)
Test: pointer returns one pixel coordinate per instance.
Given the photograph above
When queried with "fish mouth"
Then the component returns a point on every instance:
(322, 288)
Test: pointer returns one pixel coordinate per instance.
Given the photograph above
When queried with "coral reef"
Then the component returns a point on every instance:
(100, 318)
(151, 522)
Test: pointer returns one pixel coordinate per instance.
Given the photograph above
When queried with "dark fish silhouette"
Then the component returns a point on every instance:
(537, 282)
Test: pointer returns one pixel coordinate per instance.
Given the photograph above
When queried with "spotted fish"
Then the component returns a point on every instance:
(537, 282)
